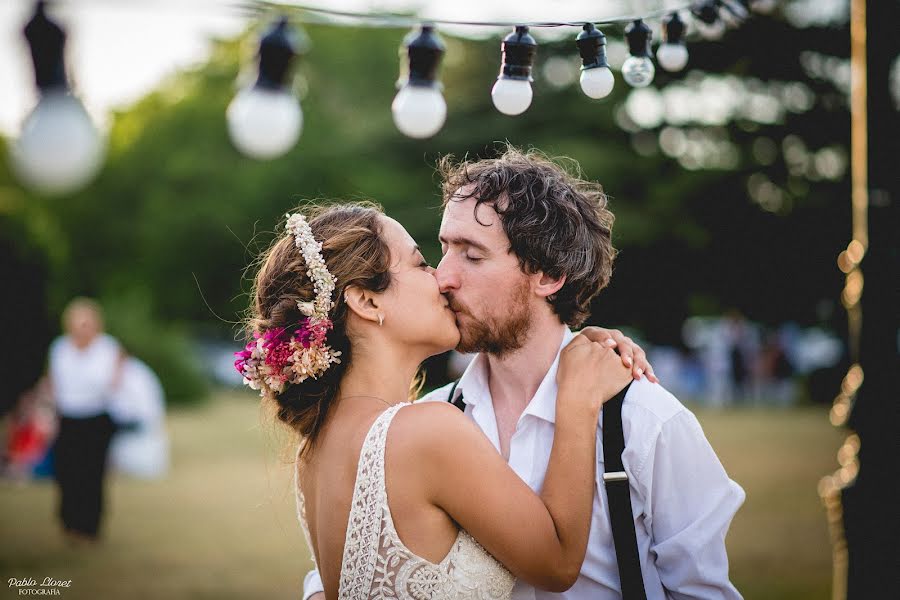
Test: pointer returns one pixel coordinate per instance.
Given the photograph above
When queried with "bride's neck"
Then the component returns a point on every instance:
(384, 372)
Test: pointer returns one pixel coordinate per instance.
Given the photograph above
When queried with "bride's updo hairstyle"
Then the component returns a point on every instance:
(355, 255)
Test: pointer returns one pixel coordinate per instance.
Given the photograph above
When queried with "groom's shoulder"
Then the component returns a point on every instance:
(650, 404)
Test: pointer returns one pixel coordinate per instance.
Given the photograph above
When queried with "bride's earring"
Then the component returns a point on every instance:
(380, 320)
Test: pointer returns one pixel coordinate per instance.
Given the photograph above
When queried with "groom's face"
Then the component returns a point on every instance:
(481, 278)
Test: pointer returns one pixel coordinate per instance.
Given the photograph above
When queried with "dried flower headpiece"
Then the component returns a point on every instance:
(278, 356)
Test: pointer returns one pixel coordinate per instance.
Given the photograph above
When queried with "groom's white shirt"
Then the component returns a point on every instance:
(682, 499)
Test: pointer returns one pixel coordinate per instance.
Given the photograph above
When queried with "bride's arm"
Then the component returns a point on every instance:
(541, 539)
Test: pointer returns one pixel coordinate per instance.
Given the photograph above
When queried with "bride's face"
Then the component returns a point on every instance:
(415, 312)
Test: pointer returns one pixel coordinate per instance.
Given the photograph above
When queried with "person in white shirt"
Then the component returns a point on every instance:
(504, 220)
(85, 366)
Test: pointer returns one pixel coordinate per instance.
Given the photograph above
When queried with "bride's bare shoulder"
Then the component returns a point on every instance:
(435, 426)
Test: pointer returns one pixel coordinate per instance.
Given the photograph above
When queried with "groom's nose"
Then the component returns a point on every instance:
(446, 276)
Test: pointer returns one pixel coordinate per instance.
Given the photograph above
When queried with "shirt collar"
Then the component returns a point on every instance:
(474, 385)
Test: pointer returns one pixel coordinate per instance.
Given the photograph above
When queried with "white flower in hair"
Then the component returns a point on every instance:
(280, 356)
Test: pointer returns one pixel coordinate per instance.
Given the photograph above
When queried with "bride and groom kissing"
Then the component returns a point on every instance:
(508, 483)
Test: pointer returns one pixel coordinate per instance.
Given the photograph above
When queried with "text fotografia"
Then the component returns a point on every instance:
(29, 586)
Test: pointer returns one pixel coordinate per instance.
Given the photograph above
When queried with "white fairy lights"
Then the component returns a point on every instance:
(419, 108)
(512, 93)
(265, 120)
(60, 150)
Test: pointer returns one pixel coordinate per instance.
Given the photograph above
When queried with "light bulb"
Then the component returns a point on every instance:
(672, 57)
(597, 82)
(59, 149)
(638, 71)
(512, 96)
(264, 123)
(711, 31)
(763, 7)
(419, 110)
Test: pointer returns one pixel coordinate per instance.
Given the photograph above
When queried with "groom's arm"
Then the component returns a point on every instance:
(312, 586)
(691, 502)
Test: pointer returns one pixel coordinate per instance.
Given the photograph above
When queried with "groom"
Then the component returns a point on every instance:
(518, 214)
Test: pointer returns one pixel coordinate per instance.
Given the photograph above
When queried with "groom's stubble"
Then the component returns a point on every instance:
(499, 330)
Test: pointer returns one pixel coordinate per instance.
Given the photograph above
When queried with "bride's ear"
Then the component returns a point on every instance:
(364, 303)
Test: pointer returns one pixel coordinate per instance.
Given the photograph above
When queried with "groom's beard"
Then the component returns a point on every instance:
(496, 335)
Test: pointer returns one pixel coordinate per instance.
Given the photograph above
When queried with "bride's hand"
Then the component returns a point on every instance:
(591, 372)
(632, 355)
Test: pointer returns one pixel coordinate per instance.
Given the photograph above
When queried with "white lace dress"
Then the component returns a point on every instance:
(376, 564)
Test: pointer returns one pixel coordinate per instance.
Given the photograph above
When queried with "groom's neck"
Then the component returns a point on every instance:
(514, 378)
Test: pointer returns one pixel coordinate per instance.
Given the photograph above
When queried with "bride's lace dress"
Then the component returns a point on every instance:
(376, 564)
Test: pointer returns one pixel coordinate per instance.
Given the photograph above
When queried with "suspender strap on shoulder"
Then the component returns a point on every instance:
(619, 500)
(457, 402)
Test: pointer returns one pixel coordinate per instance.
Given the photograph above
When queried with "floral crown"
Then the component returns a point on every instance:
(280, 356)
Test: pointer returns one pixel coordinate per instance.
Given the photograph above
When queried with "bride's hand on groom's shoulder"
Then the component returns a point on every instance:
(590, 370)
(631, 355)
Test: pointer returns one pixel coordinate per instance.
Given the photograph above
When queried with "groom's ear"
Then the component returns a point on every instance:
(543, 285)
(362, 302)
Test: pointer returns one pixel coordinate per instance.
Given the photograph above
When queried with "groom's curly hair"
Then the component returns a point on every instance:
(557, 223)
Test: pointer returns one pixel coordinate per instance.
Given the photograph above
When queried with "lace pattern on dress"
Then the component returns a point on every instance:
(376, 564)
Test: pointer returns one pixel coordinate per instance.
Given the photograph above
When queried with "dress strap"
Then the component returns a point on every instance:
(366, 512)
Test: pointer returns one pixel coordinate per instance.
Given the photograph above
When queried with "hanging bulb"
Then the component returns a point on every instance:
(265, 119)
(58, 149)
(638, 69)
(707, 21)
(672, 54)
(512, 92)
(733, 12)
(596, 80)
(763, 7)
(419, 108)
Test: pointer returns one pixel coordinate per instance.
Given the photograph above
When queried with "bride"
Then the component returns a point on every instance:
(400, 499)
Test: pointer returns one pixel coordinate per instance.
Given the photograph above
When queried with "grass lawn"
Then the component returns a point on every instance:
(222, 525)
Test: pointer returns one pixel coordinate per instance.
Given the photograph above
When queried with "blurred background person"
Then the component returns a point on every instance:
(30, 429)
(85, 365)
(140, 446)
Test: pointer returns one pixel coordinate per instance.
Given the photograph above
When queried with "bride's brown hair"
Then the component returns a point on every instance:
(356, 255)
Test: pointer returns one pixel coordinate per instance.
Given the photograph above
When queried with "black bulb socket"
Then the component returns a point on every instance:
(47, 42)
(638, 36)
(278, 47)
(708, 12)
(424, 50)
(592, 46)
(673, 29)
(519, 50)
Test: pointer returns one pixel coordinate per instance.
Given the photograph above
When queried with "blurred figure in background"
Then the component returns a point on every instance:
(85, 366)
(31, 427)
(142, 448)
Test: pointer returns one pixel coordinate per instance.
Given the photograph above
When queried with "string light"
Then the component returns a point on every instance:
(58, 149)
(638, 69)
(707, 21)
(512, 93)
(672, 54)
(419, 108)
(265, 120)
(596, 78)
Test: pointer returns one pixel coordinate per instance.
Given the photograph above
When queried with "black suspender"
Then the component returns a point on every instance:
(458, 402)
(618, 495)
(618, 498)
